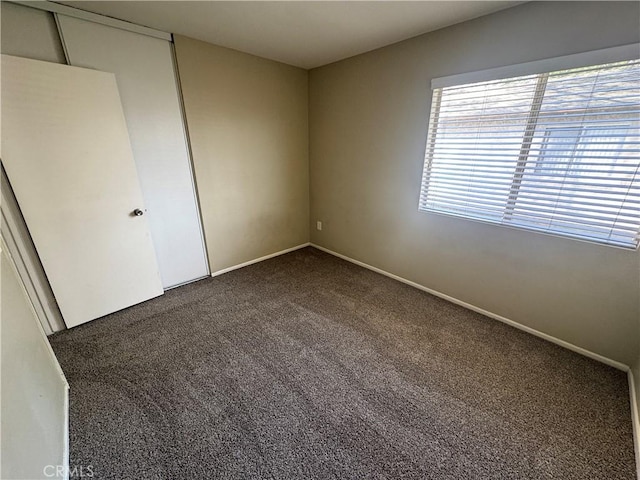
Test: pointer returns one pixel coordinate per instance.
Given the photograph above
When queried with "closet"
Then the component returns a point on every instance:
(145, 73)
(143, 64)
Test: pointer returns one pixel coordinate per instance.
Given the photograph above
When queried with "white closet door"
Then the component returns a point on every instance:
(146, 79)
(66, 151)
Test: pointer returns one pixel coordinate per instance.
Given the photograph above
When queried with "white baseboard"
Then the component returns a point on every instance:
(67, 448)
(634, 418)
(256, 260)
(519, 326)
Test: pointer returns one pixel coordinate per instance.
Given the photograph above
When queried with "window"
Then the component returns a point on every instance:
(572, 143)
(556, 152)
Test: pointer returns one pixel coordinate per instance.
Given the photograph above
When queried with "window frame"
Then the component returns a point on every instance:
(541, 68)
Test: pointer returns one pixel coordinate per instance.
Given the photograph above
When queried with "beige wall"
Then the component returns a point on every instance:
(34, 391)
(368, 123)
(248, 125)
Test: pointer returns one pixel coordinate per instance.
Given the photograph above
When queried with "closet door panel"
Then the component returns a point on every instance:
(146, 79)
(66, 151)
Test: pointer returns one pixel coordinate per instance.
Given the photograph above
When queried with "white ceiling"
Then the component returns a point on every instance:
(302, 33)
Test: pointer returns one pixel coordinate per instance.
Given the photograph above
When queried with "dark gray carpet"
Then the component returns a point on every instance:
(308, 367)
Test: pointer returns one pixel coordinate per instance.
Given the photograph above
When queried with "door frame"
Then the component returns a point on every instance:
(20, 247)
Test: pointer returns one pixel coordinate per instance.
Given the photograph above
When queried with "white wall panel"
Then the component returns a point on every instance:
(34, 391)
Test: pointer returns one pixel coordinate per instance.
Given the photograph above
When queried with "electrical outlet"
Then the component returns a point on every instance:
(319, 225)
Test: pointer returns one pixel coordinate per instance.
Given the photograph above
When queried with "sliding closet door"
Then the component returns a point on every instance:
(66, 151)
(144, 70)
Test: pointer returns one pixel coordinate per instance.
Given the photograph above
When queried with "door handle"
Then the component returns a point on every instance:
(138, 213)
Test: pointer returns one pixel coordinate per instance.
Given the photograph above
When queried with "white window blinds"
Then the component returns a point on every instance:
(556, 152)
